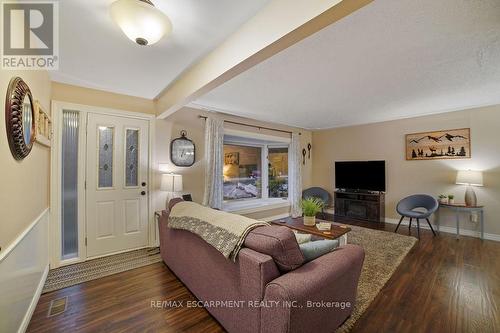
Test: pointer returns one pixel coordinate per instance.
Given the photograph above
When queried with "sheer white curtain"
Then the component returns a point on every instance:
(214, 159)
(295, 175)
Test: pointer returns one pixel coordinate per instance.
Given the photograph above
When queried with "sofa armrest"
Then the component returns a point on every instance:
(316, 297)
(256, 271)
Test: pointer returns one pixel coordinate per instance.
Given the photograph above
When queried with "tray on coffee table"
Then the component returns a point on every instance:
(335, 232)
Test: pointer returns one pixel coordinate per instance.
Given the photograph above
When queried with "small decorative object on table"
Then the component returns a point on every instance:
(324, 226)
(451, 199)
(443, 199)
(310, 207)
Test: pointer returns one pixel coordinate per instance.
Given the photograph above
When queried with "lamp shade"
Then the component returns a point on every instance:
(469, 177)
(140, 20)
(171, 182)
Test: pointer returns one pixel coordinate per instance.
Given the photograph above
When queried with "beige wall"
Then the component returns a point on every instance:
(168, 129)
(387, 141)
(79, 95)
(193, 177)
(25, 184)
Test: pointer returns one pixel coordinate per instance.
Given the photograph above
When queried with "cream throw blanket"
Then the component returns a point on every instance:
(224, 231)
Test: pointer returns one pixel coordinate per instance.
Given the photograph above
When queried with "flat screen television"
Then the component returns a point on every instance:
(360, 175)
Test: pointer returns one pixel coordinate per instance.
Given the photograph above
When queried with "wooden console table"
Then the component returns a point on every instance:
(458, 208)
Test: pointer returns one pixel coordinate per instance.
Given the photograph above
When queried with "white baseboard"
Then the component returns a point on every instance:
(34, 301)
(447, 229)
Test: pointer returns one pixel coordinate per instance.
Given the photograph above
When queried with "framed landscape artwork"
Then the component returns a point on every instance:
(450, 144)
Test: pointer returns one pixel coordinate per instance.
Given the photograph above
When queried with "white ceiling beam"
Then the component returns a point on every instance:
(277, 26)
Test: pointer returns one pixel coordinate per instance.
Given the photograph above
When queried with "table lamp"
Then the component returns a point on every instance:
(470, 178)
(171, 184)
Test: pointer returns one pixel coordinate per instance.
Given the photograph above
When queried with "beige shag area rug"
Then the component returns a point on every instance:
(384, 251)
(67, 276)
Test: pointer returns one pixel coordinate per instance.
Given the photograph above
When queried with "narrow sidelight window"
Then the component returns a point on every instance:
(69, 182)
(132, 157)
(106, 140)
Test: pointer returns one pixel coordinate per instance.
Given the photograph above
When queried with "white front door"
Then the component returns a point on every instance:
(116, 183)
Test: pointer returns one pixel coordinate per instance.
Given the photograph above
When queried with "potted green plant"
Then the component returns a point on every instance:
(443, 198)
(451, 199)
(310, 207)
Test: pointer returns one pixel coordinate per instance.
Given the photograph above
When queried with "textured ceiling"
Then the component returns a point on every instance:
(391, 59)
(95, 53)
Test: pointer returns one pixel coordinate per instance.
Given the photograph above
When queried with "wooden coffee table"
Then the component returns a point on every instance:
(335, 232)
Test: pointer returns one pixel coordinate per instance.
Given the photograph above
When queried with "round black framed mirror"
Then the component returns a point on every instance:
(19, 118)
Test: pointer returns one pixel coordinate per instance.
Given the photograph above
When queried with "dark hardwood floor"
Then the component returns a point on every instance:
(443, 285)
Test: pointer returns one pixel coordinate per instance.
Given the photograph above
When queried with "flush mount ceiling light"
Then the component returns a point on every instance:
(141, 21)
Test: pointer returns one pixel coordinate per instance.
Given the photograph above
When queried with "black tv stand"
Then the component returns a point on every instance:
(359, 205)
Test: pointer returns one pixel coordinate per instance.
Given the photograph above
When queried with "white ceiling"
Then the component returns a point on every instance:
(95, 53)
(391, 59)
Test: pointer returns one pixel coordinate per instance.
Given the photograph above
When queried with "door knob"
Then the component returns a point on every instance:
(143, 184)
(143, 192)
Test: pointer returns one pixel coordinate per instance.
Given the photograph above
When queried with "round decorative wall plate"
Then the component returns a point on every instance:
(182, 151)
(19, 118)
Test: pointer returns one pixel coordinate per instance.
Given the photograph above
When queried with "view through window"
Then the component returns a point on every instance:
(244, 177)
(242, 172)
(278, 172)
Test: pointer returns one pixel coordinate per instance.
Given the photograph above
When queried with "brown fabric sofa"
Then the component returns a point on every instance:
(268, 288)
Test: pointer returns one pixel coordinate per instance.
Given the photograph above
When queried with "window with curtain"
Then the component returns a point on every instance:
(242, 172)
(254, 169)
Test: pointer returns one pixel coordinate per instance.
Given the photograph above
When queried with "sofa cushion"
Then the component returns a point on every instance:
(302, 238)
(313, 250)
(279, 243)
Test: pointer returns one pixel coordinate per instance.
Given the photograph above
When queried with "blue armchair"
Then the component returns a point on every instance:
(419, 206)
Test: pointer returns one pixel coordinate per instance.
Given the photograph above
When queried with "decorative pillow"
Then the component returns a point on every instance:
(313, 250)
(279, 243)
(302, 238)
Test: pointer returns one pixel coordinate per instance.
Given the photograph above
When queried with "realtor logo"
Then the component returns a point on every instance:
(30, 37)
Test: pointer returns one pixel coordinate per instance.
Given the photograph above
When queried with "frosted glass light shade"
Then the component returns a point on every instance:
(171, 183)
(469, 177)
(142, 22)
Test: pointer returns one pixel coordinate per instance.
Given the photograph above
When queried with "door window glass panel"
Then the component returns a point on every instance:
(105, 156)
(132, 157)
(278, 172)
(242, 172)
(69, 182)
